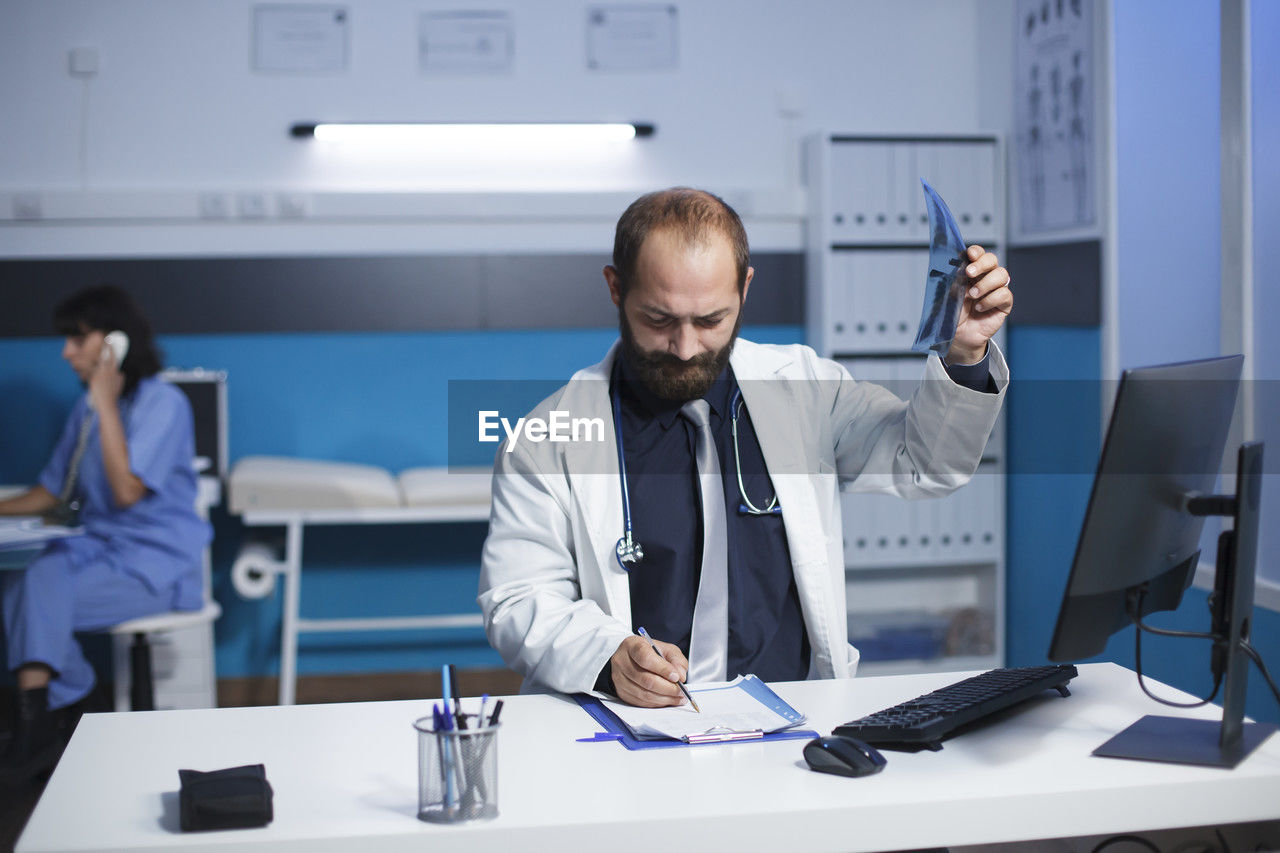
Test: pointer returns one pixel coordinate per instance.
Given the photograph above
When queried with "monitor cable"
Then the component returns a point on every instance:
(1262, 667)
(1125, 839)
(1137, 665)
(1134, 611)
(1245, 646)
(1136, 600)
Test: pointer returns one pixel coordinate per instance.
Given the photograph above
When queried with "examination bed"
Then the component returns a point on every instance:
(269, 491)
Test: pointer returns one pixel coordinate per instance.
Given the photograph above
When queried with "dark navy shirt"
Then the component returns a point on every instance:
(766, 626)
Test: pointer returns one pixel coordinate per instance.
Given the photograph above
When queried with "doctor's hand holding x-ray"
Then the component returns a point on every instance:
(987, 302)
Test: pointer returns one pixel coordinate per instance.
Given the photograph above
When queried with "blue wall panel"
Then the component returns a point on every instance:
(1054, 411)
(378, 399)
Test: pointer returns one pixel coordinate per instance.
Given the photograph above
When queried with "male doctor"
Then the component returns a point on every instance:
(720, 531)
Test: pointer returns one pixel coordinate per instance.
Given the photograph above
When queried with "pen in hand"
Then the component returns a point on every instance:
(643, 633)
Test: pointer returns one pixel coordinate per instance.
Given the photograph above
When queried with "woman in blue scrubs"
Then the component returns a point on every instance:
(122, 469)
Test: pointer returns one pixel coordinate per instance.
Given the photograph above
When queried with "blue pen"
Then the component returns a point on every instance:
(438, 725)
(446, 691)
(444, 731)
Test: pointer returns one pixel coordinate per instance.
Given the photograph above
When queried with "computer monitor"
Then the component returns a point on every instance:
(1139, 546)
(206, 390)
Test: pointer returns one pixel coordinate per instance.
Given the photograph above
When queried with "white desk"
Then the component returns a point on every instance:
(345, 779)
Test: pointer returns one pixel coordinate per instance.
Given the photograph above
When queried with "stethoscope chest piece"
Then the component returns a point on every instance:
(629, 552)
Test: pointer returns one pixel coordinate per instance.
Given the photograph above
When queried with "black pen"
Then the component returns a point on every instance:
(654, 646)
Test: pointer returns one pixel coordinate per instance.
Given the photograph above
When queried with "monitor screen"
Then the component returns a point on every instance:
(1165, 440)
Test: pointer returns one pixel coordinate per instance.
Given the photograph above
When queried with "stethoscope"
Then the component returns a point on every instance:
(628, 550)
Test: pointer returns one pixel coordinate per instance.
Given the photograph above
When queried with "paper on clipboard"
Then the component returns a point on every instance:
(745, 705)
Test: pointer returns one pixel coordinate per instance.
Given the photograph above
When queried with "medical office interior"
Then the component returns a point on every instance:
(339, 294)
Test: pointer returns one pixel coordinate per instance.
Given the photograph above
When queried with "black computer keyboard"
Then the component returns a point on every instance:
(926, 720)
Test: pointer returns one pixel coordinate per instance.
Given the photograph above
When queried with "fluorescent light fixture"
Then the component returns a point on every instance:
(439, 133)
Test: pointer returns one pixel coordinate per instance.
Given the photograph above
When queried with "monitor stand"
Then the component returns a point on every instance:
(1177, 740)
(1227, 742)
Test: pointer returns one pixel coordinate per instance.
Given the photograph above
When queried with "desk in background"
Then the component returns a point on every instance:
(16, 557)
(345, 779)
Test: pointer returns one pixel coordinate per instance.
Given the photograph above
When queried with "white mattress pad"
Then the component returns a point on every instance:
(446, 486)
(283, 483)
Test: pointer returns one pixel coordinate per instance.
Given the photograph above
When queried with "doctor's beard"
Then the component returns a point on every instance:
(672, 378)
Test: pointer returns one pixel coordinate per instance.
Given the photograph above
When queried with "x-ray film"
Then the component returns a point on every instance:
(942, 288)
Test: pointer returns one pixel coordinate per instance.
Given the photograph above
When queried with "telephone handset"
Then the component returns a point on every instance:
(118, 344)
(115, 345)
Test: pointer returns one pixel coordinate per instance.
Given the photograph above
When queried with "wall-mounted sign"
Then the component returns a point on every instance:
(466, 42)
(632, 38)
(299, 39)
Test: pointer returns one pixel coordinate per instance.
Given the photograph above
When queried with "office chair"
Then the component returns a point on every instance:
(142, 696)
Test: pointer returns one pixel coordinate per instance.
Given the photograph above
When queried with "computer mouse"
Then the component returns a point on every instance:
(843, 756)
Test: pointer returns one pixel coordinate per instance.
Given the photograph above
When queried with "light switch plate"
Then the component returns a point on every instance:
(83, 62)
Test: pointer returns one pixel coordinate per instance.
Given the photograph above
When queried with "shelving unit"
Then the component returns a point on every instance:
(925, 579)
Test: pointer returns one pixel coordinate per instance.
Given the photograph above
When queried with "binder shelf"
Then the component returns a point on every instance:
(924, 579)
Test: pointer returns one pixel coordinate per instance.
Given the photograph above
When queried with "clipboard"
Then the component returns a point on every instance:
(616, 730)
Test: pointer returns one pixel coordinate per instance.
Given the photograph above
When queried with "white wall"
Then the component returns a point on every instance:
(176, 109)
(1266, 309)
(1168, 229)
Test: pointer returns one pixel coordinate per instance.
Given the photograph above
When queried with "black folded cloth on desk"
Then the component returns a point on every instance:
(234, 798)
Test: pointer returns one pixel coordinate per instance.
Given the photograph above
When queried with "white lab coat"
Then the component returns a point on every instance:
(557, 605)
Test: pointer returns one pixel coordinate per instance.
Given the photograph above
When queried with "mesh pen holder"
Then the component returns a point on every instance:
(457, 773)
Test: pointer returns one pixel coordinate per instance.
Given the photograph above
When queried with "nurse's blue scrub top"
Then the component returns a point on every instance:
(160, 538)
